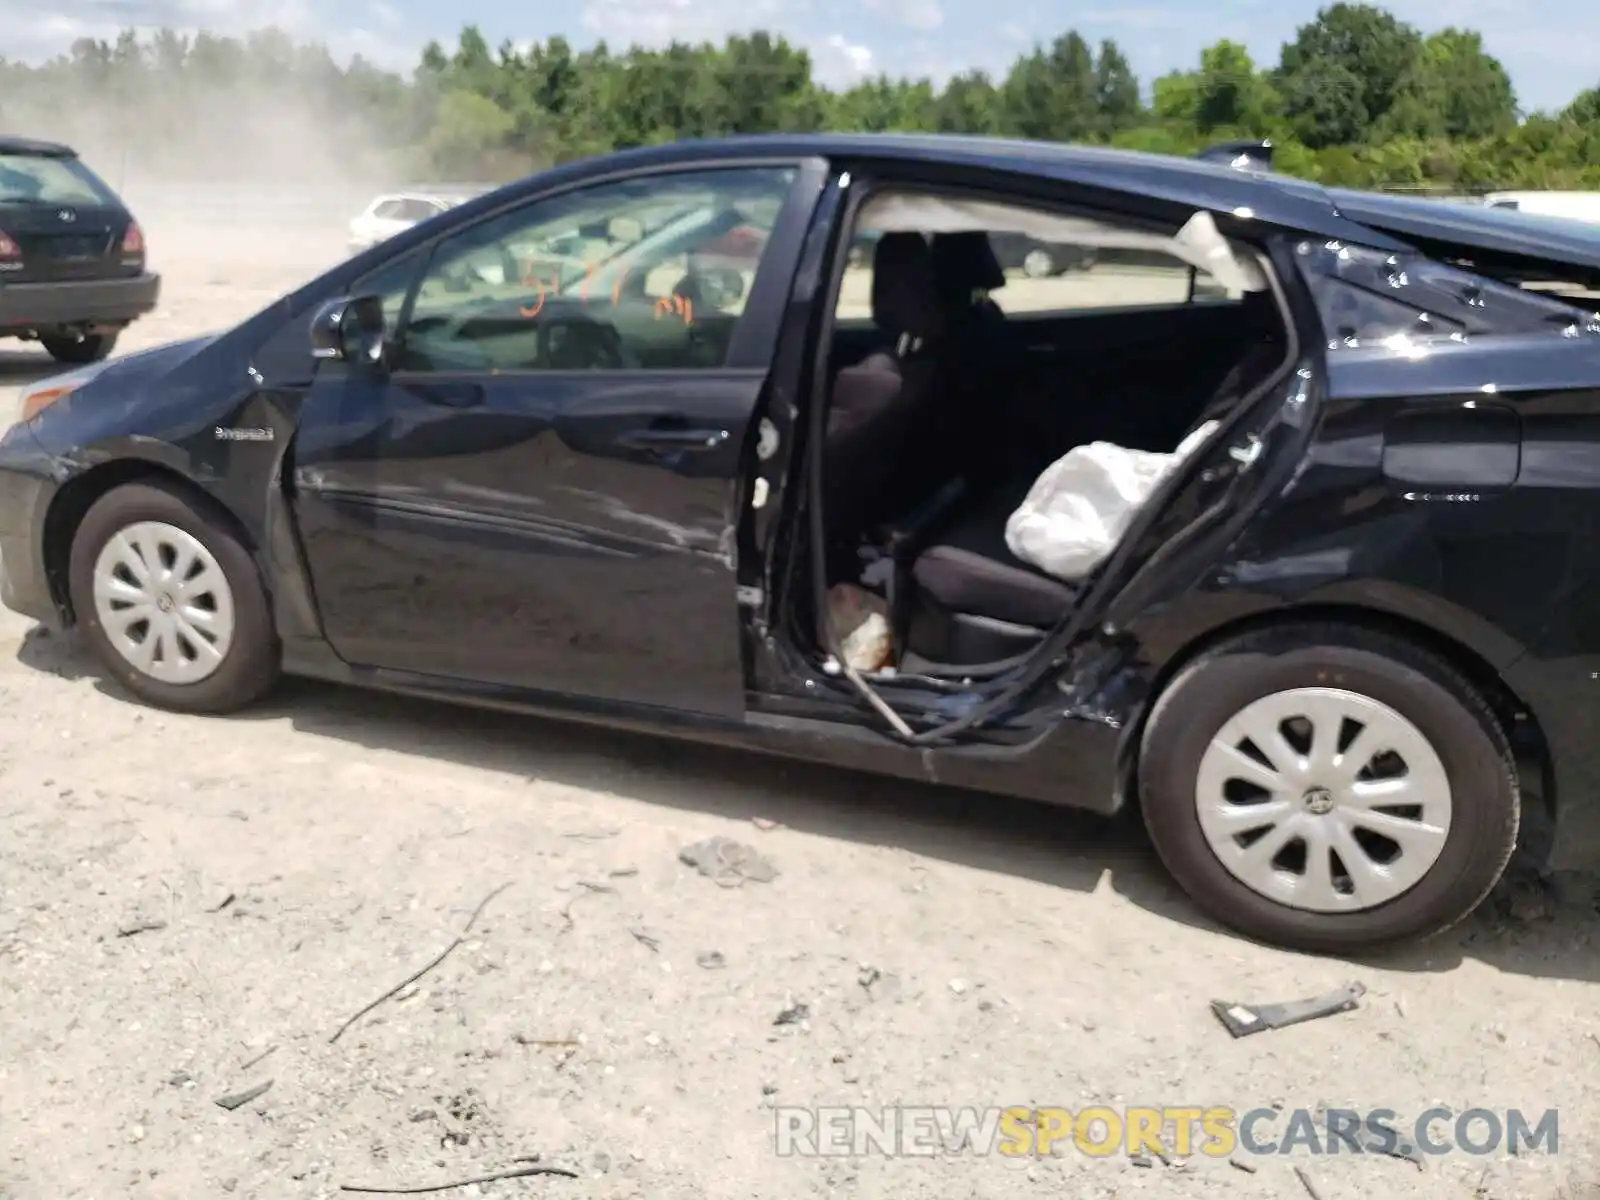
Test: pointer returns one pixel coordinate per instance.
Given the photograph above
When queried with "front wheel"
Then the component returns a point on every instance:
(171, 600)
(79, 351)
(1327, 788)
(1039, 263)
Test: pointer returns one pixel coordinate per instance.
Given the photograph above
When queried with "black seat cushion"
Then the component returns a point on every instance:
(970, 569)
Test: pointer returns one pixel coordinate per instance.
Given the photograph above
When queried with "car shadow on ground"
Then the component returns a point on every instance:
(1523, 929)
(20, 368)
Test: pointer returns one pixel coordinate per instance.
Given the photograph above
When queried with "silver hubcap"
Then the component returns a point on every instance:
(164, 602)
(1323, 800)
(1037, 263)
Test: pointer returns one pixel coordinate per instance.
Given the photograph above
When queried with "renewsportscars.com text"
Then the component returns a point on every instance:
(1178, 1130)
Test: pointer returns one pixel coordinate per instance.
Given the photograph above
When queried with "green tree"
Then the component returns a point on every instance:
(1347, 47)
(1116, 89)
(1453, 88)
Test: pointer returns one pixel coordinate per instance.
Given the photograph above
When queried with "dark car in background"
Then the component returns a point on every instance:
(1340, 652)
(72, 257)
(1039, 259)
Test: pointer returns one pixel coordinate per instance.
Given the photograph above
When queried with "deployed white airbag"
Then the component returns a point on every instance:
(1084, 502)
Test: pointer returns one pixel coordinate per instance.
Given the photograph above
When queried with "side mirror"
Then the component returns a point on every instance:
(349, 329)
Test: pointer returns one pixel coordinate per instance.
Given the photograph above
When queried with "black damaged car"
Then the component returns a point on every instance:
(1285, 533)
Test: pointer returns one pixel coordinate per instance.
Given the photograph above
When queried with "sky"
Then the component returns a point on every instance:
(1549, 46)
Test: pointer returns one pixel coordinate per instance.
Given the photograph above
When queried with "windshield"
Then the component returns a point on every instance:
(33, 179)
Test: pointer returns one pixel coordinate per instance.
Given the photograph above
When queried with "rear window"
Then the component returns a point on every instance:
(33, 179)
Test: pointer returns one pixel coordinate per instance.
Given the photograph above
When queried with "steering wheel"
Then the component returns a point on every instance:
(583, 344)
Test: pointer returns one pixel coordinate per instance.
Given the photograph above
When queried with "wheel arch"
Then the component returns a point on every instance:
(79, 494)
(1517, 718)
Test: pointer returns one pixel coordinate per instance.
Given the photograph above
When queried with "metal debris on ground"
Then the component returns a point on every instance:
(240, 1099)
(443, 954)
(794, 1015)
(711, 960)
(1242, 1164)
(517, 1173)
(258, 1059)
(134, 928)
(728, 863)
(1241, 1020)
(646, 937)
(1305, 1182)
(226, 900)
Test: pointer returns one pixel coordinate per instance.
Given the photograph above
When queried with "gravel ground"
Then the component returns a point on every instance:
(192, 908)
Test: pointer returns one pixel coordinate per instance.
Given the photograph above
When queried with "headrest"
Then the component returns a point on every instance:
(904, 290)
(965, 262)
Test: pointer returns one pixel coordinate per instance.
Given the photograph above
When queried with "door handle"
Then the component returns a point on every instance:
(675, 437)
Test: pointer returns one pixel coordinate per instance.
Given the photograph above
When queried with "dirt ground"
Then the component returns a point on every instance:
(191, 908)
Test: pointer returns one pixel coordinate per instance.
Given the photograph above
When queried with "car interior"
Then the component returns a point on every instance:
(945, 404)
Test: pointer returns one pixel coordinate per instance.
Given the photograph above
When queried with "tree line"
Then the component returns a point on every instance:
(1356, 98)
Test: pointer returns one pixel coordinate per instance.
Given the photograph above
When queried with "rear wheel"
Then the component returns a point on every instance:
(66, 348)
(171, 600)
(1328, 789)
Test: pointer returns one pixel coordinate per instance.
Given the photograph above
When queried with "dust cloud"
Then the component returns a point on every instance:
(231, 179)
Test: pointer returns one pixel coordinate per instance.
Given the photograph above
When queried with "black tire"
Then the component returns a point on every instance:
(251, 663)
(1450, 714)
(78, 351)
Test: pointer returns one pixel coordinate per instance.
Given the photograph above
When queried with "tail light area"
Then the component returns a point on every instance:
(10, 253)
(133, 241)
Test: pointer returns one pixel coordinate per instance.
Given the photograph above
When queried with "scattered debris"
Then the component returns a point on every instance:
(523, 1039)
(1142, 1160)
(763, 824)
(646, 938)
(1529, 900)
(240, 1099)
(769, 1089)
(134, 928)
(226, 900)
(516, 1173)
(958, 986)
(258, 1059)
(584, 888)
(728, 863)
(879, 985)
(443, 954)
(1305, 1182)
(712, 960)
(1242, 1164)
(593, 835)
(623, 873)
(1241, 1020)
(794, 1015)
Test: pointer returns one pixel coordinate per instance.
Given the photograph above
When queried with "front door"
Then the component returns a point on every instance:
(541, 491)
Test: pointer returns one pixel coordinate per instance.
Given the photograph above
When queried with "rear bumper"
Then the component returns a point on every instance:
(77, 302)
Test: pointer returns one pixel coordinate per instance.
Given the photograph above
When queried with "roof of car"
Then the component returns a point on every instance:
(1383, 222)
(1192, 182)
(33, 146)
(1504, 230)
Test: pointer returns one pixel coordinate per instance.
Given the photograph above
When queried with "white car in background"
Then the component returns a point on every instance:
(395, 212)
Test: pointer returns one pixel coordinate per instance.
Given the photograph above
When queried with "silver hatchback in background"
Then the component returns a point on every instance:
(395, 212)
